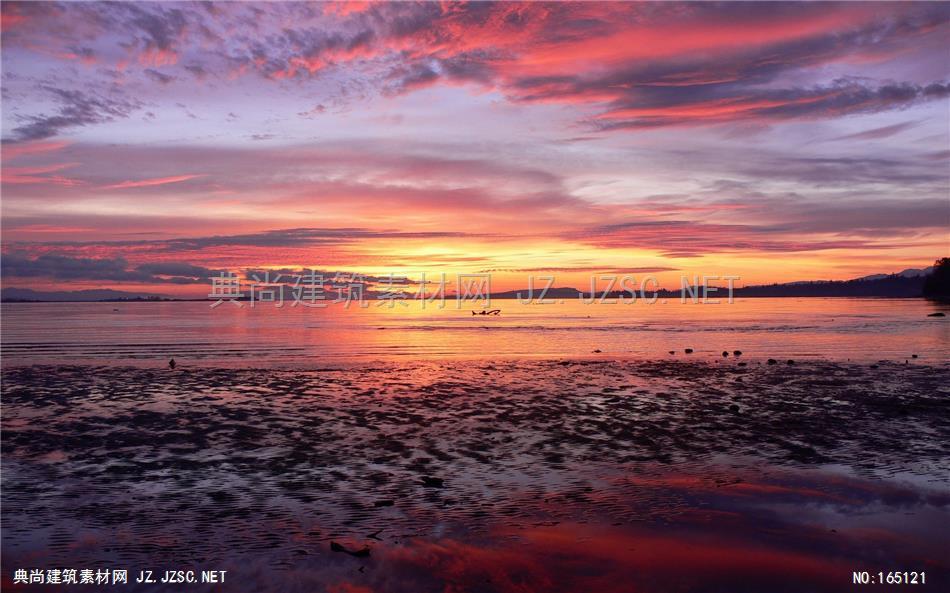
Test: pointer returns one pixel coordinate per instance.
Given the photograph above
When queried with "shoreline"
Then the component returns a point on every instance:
(935, 299)
(711, 358)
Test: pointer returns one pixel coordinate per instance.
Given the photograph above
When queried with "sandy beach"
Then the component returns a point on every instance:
(558, 475)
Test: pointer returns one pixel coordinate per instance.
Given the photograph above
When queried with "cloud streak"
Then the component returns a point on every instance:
(151, 182)
(77, 109)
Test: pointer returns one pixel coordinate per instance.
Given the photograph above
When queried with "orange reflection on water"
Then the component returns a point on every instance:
(577, 557)
(743, 534)
(267, 336)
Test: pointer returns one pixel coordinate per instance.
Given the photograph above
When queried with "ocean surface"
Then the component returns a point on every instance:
(265, 335)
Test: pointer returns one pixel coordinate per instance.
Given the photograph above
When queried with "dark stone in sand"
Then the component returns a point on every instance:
(913, 356)
(790, 361)
(688, 351)
(672, 351)
(725, 354)
(734, 409)
(596, 351)
(361, 553)
(171, 363)
(430, 482)
(737, 352)
(803, 454)
(384, 503)
(772, 361)
(873, 366)
(220, 496)
(936, 315)
(742, 364)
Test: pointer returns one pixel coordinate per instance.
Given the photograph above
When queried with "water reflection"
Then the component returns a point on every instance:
(150, 333)
(690, 528)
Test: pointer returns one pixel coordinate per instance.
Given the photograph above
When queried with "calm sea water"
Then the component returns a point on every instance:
(266, 336)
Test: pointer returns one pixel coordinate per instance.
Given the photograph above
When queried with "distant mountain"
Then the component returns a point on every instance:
(906, 284)
(562, 292)
(937, 285)
(12, 295)
(908, 273)
(894, 286)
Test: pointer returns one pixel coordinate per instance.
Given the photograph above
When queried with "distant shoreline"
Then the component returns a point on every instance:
(500, 298)
(892, 286)
(506, 298)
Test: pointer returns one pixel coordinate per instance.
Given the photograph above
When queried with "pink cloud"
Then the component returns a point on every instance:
(37, 175)
(151, 182)
(12, 151)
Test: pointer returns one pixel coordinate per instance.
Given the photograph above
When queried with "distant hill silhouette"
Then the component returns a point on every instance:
(27, 295)
(906, 284)
(909, 283)
(894, 286)
(555, 293)
(908, 273)
(937, 285)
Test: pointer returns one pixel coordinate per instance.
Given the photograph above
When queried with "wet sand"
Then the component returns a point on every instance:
(471, 476)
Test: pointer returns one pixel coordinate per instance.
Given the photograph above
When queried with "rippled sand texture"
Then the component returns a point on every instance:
(573, 467)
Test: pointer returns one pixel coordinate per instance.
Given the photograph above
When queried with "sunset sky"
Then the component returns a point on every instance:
(147, 145)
